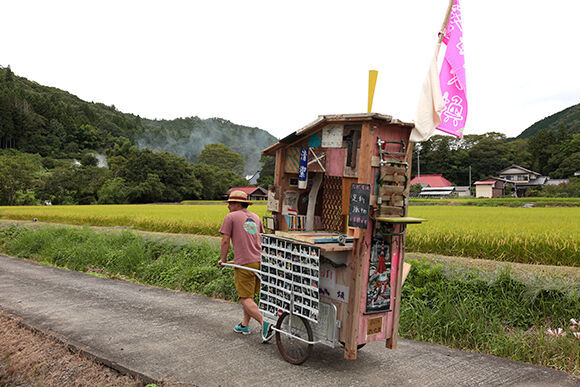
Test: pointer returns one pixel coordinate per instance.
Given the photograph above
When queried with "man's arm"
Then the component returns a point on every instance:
(225, 248)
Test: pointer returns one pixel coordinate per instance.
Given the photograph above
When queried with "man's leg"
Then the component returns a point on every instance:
(250, 311)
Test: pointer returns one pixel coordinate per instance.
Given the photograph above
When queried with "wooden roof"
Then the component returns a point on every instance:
(336, 119)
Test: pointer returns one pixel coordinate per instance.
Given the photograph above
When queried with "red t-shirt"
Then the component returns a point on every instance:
(244, 228)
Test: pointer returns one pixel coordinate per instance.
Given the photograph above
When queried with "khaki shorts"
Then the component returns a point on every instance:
(247, 284)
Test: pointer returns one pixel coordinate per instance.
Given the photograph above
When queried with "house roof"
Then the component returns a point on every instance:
(518, 167)
(484, 182)
(557, 181)
(432, 181)
(248, 190)
(332, 118)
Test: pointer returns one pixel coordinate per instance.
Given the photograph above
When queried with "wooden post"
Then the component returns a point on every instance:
(361, 249)
(393, 340)
(280, 181)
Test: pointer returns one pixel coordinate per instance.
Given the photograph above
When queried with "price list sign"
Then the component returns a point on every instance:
(358, 211)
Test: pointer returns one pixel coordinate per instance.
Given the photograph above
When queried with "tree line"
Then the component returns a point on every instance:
(551, 153)
(132, 176)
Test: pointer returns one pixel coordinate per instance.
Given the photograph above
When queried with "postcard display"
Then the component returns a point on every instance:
(290, 277)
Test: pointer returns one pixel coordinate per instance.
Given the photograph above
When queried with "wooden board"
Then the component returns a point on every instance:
(390, 211)
(390, 189)
(292, 161)
(400, 219)
(312, 237)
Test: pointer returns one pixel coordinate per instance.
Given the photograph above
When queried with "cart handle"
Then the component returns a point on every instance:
(256, 271)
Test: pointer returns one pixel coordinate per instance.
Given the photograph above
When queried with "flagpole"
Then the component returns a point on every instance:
(445, 21)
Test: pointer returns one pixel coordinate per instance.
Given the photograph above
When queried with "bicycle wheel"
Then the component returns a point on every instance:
(293, 350)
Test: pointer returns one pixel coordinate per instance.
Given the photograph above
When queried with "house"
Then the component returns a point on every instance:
(436, 192)
(489, 188)
(444, 192)
(431, 181)
(522, 179)
(462, 191)
(254, 193)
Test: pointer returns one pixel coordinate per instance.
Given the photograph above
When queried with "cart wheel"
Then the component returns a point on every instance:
(293, 350)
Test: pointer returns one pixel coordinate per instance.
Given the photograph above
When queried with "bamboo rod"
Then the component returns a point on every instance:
(446, 21)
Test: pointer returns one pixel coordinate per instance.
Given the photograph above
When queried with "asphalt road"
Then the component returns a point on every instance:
(186, 339)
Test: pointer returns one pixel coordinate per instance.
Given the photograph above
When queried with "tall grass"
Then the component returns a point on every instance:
(191, 267)
(504, 317)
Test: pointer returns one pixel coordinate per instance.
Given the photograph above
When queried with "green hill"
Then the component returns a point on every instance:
(52, 122)
(569, 117)
(186, 137)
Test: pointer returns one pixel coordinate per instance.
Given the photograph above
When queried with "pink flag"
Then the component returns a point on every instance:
(452, 77)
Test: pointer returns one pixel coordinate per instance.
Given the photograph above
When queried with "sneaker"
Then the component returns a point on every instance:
(242, 329)
(266, 332)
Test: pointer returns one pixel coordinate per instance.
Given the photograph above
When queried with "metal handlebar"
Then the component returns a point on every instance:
(255, 271)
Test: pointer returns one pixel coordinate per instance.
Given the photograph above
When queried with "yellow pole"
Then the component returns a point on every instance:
(372, 82)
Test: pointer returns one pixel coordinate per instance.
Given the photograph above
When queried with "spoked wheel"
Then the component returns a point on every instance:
(292, 349)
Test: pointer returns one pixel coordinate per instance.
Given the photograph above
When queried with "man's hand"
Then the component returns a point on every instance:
(221, 261)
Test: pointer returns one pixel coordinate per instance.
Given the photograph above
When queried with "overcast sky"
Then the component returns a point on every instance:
(278, 65)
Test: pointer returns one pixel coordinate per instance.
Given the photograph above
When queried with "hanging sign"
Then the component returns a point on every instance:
(358, 211)
(302, 169)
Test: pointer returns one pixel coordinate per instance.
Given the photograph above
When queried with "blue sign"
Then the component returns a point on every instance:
(303, 164)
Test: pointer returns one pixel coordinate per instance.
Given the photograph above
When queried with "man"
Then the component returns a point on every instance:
(243, 229)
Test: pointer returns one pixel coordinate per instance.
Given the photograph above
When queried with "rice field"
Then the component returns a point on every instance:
(202, 219)
(546, 235)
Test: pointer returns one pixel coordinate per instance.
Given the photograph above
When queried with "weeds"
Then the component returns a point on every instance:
(504, 317)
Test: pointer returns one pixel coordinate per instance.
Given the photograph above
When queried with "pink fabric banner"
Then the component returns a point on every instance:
(452, 77)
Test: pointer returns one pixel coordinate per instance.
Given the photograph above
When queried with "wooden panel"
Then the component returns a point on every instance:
(335, 161)
(390, 189)
(292, 161)
(387, 170)
(390, 210)
(394, 178)
(332, 136)
(316, 160)
(361, 252)
(346, 182)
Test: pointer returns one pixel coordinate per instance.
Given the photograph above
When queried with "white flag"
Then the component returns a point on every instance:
(428, 115)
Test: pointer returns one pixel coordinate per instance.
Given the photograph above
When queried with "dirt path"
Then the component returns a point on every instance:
(33, 358)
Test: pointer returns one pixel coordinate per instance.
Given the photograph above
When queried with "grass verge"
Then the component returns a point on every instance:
(502, 315)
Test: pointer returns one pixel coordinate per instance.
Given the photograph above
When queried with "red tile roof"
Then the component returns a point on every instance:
(432, 181)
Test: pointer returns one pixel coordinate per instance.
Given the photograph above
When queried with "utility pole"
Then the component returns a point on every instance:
(418, 166)
(470, 177)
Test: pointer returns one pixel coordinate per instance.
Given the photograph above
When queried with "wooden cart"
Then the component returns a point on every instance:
(332, 267)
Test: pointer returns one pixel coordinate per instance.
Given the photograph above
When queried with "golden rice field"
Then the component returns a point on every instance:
(547, 235)
(192, 219)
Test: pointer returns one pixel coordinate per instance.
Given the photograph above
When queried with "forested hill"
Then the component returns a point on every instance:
(54, 123)
(569, 117)
(186, 137)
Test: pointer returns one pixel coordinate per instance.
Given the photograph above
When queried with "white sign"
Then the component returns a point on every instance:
(332, 136)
